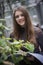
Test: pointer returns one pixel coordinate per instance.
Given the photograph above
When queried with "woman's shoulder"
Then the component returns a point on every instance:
(38, 32)
(37, 29)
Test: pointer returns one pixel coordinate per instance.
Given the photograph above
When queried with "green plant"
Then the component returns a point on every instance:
(2, 27)
(13, 49)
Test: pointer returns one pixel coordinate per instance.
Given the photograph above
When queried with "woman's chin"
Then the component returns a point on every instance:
(22, 25)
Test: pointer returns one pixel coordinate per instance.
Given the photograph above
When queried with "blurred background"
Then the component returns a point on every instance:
(35, 8)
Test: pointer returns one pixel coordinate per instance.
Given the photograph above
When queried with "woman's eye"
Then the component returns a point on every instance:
(17, 16)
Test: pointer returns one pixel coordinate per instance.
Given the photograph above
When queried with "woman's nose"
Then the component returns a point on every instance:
(20, 17)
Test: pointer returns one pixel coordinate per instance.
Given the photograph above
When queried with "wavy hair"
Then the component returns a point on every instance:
(30, 35)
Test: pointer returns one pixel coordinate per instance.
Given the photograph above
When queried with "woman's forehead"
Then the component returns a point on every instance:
(18, 12)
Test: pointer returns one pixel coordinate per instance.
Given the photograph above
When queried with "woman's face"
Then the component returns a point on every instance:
(20, 19)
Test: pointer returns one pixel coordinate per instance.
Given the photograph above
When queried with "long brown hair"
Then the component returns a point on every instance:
(30, 35)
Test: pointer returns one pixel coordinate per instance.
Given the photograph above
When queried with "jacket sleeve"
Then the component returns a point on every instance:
(40, 40)
(12, 37)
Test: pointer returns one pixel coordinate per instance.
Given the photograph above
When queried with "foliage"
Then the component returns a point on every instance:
(2, 27)
(13, 49)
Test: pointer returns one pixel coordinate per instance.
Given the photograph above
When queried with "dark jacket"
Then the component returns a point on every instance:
(39, 37)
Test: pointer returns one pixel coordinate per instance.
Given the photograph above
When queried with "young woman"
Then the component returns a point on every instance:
(23, 28)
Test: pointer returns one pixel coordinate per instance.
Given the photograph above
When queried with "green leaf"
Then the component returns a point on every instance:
(16, 58)
(29, 46)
